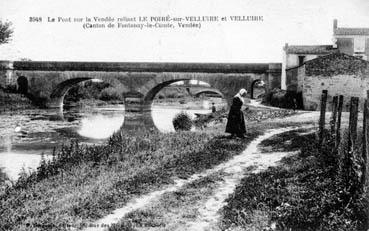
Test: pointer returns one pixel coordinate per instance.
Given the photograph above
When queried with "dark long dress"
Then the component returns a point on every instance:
(236, 119)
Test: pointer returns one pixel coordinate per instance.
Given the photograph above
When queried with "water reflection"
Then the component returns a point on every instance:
(100, 126)
(11, 162)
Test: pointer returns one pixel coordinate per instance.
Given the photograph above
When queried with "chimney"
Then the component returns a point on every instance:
(334, 26)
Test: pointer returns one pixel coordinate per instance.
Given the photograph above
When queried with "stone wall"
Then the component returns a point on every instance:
(340, 74)
(291, 77)
(346, 45)
(274, 80)
(346, 85)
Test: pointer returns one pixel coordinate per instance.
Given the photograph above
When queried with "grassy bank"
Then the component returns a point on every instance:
(306, 192)
(251, 115)
(85, 183)
(12, 101)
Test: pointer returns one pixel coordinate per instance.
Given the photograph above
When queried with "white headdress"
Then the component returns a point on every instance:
(240, 93)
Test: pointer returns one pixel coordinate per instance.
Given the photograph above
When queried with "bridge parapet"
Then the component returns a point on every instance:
(143, 67)
(6, 65)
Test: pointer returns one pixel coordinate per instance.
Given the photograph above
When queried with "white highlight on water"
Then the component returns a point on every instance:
(100, 126)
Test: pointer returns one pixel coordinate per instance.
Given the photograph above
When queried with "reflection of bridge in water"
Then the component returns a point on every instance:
(139, 121)
(132, 121)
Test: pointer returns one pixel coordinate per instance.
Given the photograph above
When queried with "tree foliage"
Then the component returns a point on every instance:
(6, 32)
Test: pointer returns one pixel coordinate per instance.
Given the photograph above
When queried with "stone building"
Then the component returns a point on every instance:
(351, 41)
(296, 55)
(341, 68)
(347, 40)
(339, 73)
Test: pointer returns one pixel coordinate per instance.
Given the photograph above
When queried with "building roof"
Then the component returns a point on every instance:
(310, 49)
(336, 64)
(351, 31)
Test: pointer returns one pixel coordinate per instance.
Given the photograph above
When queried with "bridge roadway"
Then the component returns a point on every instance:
(48, 82)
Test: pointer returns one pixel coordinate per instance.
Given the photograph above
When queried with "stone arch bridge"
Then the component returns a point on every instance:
(50, 81)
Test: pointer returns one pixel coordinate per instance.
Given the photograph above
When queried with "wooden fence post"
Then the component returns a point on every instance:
(334, 113)
(338, 127)
(349, 174)
(353, 122)
(323, 105)
(365, 153)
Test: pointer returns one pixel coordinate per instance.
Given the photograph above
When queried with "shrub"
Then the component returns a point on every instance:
(284, 99)
(110, 93)
(182, 121)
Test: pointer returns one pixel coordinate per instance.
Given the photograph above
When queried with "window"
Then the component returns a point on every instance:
(301, 60)
(359, 44)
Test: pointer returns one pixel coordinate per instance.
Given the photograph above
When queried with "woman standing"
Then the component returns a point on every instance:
(236, 120)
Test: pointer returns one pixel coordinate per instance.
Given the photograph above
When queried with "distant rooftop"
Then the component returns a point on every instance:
(351, 31)
(348, 30)
(309, 49)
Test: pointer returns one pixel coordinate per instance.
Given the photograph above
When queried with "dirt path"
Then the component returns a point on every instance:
(235, 169)
(232, 172)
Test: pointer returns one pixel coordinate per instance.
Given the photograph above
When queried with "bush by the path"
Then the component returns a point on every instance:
(182, 121)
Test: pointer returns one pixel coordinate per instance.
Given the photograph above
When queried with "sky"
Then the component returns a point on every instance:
(297, 22)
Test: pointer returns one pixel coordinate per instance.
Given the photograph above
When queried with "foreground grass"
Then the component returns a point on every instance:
(173, 210)
(306, 192)
(86, 183)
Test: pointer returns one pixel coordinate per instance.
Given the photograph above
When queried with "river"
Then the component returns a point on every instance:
(25, 135)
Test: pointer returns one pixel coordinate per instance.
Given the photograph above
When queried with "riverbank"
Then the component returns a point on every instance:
(251, 113)
(86, 183)
(13, 102)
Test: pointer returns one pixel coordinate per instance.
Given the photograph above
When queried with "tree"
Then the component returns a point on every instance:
(5, 32)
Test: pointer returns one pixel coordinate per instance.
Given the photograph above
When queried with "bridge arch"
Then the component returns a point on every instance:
(150, 95)
(155, 86)
(22, 83)
(60, 90)
(211, 91)
(252, 88)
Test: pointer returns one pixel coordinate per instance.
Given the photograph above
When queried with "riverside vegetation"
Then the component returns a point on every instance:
(84, 183)
(10, 101)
